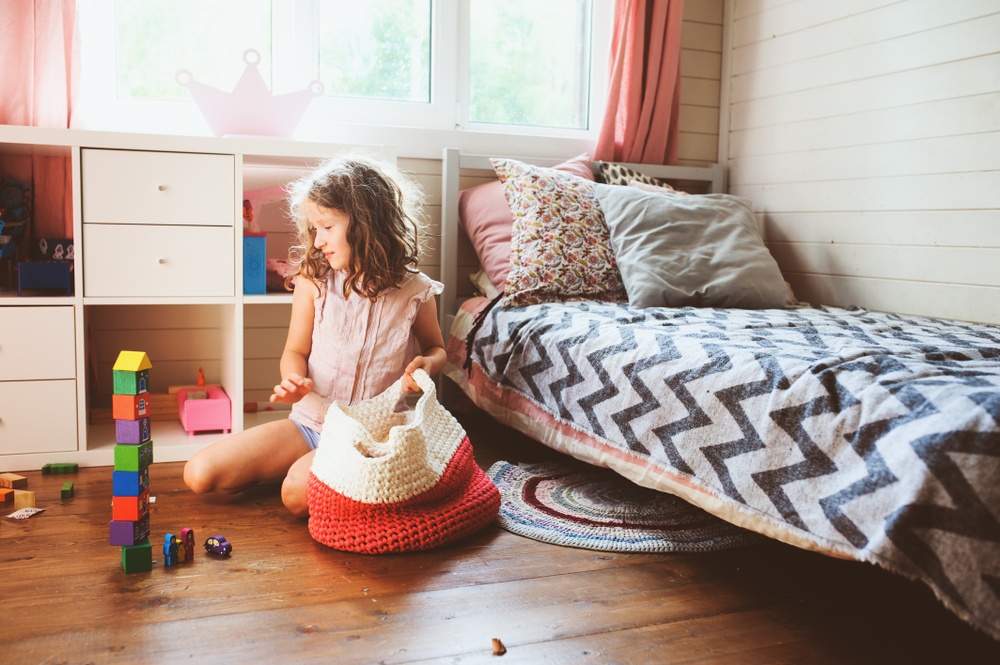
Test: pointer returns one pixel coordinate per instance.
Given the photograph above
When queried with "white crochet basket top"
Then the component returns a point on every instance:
(371, 453)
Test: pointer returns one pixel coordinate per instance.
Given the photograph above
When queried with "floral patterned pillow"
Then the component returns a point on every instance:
(560, 247)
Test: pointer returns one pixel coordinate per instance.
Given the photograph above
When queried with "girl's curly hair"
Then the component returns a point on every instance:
(384, 206)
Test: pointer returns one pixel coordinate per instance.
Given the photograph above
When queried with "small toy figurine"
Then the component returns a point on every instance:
(187, 540)
(218, 545)
(201, 377)
(170, 550)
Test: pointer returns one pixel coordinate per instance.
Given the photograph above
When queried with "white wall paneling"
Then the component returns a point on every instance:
(867, 134)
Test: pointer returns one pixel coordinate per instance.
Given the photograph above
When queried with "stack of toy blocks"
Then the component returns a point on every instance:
(133, 454)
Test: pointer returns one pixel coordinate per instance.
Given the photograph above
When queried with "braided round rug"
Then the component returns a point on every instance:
(578, 505)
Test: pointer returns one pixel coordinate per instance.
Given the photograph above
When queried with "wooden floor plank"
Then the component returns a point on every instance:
(282, 597)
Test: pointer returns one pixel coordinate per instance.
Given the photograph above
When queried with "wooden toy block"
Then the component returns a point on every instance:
(24, 499)
(133, 458)
(13, 481)
(6, 495)
(132, 431)
(130, 508)
(131, 373)
(60, 467)
(128, 533)
(130, 407)
(129, 483)
(138, 558)
(130, 383)
(187, 539)
(200, 415)
(67, 490)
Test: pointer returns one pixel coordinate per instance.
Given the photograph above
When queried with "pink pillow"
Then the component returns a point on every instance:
(484, 214)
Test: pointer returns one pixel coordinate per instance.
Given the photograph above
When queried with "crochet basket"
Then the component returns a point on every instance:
(387, 481)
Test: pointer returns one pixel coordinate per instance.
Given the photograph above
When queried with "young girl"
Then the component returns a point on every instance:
(362, 316)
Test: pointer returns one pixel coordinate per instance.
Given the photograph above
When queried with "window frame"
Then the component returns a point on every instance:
(443, 122)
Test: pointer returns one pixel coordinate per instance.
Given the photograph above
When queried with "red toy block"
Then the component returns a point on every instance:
(6, 495)
(130, 407)
(129, 508)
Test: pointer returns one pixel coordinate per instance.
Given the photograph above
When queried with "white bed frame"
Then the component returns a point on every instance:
(452, 163)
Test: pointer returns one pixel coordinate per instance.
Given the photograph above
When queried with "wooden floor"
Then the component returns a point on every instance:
(281, 597)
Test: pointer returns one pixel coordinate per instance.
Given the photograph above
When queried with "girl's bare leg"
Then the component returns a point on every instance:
(264, 453)
(293, 489)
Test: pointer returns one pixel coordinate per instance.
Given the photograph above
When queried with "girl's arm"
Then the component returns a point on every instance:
(428, 334)
(294, 365)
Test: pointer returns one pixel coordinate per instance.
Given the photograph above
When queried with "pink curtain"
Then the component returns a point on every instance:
(38, 77)
(641, 118)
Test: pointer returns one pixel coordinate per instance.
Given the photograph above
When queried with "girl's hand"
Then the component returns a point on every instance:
(409, 383)
(291, 389)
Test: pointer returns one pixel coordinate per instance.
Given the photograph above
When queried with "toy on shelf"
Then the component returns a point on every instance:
(51, 266)
(133, 455)
(205, 409)
(15, 213)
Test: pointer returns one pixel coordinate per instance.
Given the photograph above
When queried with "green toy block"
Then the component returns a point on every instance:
(67, 490)
(138, 558)
(60, 467)
(130, 457)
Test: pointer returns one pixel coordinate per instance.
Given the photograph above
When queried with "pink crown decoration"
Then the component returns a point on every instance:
(250, 108)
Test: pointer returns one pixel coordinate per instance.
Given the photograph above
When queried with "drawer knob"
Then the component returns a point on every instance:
(161, 261)
(161, 187)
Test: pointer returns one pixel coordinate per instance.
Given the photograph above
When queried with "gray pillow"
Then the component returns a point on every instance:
(695, 250)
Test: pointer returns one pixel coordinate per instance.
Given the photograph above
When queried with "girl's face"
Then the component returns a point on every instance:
(331, 234)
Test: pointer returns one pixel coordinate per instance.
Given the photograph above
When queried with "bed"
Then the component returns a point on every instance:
(858, 434)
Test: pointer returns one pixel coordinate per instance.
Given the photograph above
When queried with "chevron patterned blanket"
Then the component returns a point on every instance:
(861, 435)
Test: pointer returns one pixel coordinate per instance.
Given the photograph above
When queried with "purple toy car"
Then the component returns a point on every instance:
(218, 545)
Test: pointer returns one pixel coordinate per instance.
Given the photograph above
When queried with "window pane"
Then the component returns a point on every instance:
(379, 50)
(157, 38)
(529, 62)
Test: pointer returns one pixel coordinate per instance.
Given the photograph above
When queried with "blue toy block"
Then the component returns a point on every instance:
(129, 483)
(254, 263)
(34, 275)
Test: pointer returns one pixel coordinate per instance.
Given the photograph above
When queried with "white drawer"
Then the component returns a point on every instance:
(157, 261)
(37, 343)
(137, 187)
(37, 417)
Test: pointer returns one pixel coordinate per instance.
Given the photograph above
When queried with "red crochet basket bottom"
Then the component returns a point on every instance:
(462, 502)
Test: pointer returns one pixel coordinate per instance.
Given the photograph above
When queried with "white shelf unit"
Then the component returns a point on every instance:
(158, 238)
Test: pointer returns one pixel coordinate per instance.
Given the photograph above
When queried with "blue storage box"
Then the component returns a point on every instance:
(254, 263)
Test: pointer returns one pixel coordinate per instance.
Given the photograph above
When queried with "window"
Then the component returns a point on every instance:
(514, 67)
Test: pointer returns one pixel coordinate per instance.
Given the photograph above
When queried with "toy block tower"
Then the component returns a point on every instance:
(129, 525)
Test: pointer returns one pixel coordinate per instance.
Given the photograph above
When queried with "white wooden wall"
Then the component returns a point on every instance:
(867, 134)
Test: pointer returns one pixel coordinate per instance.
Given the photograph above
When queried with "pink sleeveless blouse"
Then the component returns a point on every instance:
(359, 346)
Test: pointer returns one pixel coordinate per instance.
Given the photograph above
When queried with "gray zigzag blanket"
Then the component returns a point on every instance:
(858, 434)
